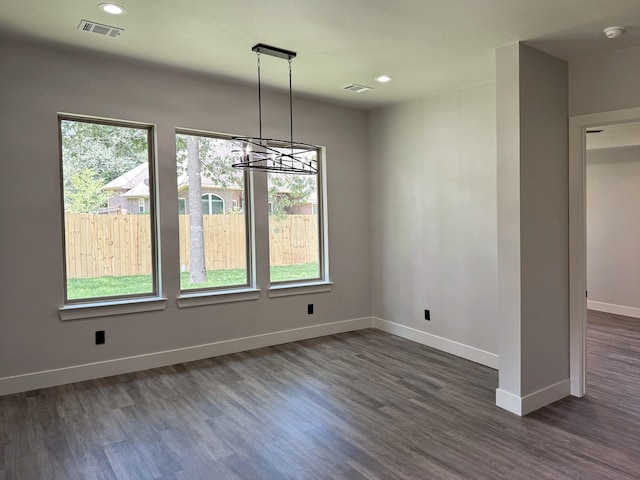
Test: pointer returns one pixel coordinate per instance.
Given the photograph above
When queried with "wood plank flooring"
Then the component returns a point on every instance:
(360, 405)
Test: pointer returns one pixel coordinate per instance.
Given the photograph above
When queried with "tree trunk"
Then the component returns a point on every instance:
(197, 267)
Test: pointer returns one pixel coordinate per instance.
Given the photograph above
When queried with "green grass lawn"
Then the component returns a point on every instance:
(79, 288)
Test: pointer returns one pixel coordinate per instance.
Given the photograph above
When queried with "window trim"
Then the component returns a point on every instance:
(121, 306)
(156, 293)
(278, 289)
(197, 299)
(302, 288)
(199, 296)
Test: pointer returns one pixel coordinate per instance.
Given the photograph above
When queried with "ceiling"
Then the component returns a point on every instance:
(426, 46)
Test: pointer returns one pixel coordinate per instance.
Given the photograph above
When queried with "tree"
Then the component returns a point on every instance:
(216, 157)
(287, 190)
(198, 266)
(107, 150)
(85, 194)
(93, 154)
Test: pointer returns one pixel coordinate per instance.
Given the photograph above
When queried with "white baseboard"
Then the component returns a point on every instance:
(533, 401)
(508, 401)
(614, 309)
(455, 348)
(89, 371)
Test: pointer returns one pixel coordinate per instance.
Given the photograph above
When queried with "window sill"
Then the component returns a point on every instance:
(299, 289)
(114, 307)
(187, 300)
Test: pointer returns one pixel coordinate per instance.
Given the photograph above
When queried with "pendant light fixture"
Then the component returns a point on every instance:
(268, 154)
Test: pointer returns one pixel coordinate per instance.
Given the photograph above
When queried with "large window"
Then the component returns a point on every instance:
(295, 227)
(109, 222)
(213, 229)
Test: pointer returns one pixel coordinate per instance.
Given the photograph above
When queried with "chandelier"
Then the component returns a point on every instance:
(268, 154)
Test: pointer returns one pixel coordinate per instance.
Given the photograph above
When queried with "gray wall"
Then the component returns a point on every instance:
(613, 226)
(605, 82)
(36, 83)
(532, 219)
(433, 215)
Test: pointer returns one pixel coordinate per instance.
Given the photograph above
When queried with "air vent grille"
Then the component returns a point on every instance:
(99, 28)
(354, 87)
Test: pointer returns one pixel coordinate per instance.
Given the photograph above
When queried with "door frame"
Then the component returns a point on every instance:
(578, 126)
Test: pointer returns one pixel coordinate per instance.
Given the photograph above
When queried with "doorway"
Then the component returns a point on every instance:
(578, 128)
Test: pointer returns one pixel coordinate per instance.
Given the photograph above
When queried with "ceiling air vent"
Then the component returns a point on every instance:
(354, 87)
(93, 27)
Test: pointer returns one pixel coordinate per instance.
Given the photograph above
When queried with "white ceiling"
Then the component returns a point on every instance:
(427, 46)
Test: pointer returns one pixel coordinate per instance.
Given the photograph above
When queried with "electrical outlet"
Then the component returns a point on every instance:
(100, 337)
(427, 315)
(310, 309)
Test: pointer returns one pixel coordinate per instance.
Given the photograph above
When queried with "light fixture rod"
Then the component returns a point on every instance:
(259, 95)
(274, 51)
(290, 105)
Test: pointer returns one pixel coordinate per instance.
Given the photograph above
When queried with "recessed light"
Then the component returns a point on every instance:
(383, 79)
(112, 9)
(613, 32)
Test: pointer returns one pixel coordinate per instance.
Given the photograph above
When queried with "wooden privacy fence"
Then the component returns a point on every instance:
(117, 245)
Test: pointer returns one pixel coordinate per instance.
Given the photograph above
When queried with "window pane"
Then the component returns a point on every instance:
(212, 204)
(106, 185)
(294, 243)
(217, 205)
(213, 242)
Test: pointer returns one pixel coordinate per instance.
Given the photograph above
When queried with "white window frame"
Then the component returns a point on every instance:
(90, 307)
(322, 283)
(194, 297)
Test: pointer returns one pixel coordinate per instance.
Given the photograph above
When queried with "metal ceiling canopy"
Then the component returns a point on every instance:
(273, 51)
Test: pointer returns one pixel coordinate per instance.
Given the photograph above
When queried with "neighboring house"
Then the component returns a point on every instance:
(216, 199)
(130, 194)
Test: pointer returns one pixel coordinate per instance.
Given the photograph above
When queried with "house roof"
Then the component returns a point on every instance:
(135, 182)
(183, 182)
(427, 46)
(140, 190)
(129, 179)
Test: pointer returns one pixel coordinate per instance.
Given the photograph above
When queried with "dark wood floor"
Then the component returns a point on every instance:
(361, 405)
